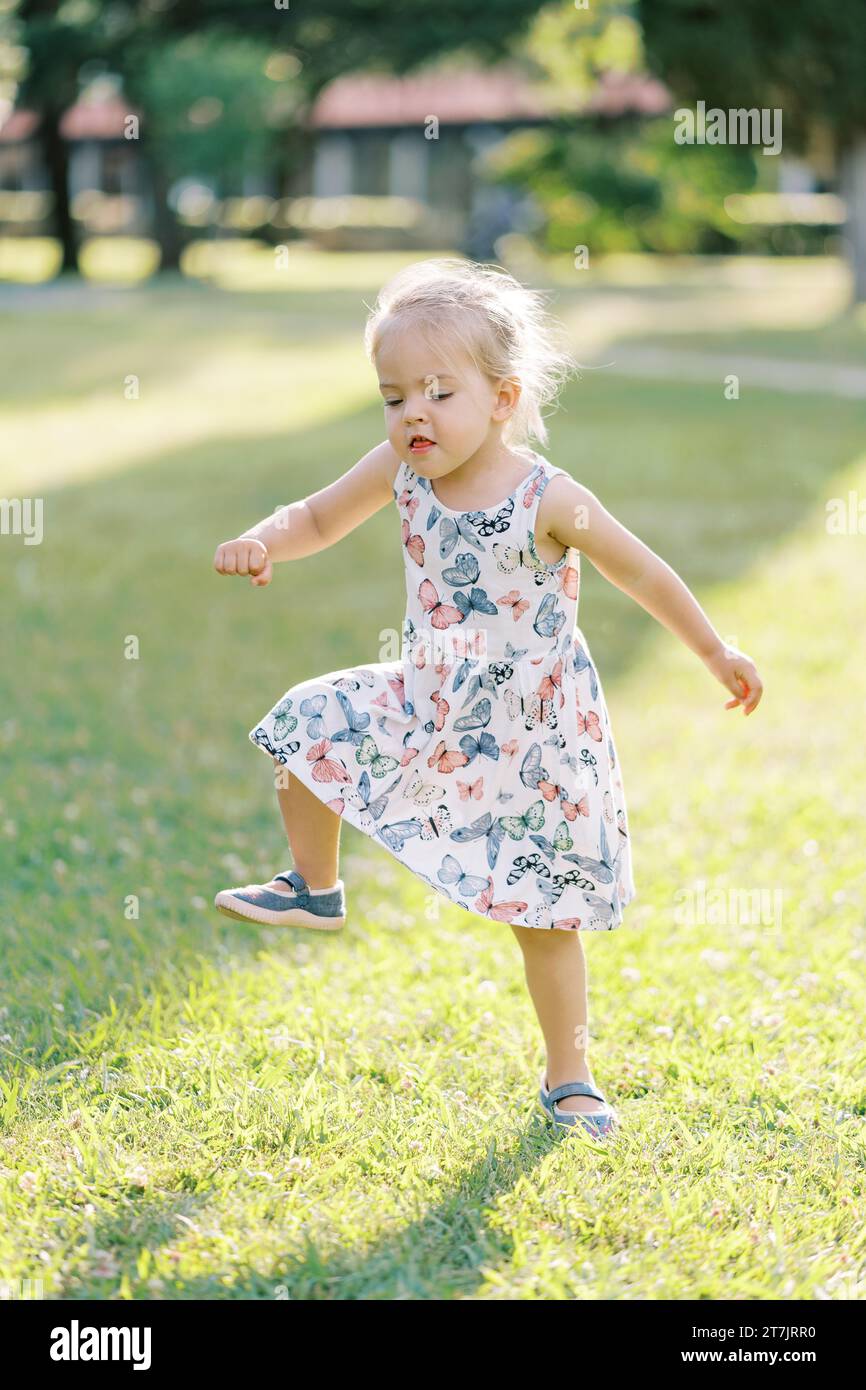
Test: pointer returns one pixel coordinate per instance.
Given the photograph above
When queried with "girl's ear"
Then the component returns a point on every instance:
(507, 396)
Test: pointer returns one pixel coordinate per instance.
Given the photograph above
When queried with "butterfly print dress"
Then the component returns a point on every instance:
(483, 758)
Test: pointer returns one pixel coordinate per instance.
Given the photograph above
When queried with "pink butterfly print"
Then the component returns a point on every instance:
(589, 724)
(408, 501)
(326, 769)
(338, 805)
(412, 505)
(500, 912)
(462, 645)
(443, 669)
(568, 923)
(398, 686)
(442, 708)
(530, 493)
(549, 790)
(548, 684)
(468, 789)
(447, 759)
(442, 615)
(510, 748)
(407, 755)
(414, 545)
(513, 601)
(568, 581)
(572, 809)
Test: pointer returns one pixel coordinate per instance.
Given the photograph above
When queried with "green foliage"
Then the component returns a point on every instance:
(211, 107)
(627, 187)
(808, 59)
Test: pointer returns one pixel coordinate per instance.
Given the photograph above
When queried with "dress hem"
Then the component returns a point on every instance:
(350, 814)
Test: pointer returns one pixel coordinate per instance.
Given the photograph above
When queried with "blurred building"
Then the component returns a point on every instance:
(390, 160)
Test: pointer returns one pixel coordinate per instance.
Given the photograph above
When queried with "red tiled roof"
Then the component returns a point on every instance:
(96, 120)
(358, 100)
(19, 125)
(459, 98)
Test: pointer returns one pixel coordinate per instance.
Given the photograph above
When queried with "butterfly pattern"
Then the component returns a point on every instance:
(483, 758)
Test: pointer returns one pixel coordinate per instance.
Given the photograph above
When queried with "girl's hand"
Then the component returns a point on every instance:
(737, 673)
(245, 556)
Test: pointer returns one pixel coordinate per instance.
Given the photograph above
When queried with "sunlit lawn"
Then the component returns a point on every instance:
(191, 1108)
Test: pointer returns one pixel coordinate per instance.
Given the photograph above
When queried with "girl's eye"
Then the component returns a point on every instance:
(443, 396)
(393, 402)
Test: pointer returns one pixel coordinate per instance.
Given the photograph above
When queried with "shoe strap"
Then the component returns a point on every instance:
(574, 1088)
(295, 880)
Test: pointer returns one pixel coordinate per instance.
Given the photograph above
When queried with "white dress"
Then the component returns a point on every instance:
(483, 759)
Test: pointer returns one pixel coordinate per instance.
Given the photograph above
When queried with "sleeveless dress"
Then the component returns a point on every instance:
(482, 757)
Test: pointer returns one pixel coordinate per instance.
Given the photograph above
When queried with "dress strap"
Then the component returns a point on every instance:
(399, 479)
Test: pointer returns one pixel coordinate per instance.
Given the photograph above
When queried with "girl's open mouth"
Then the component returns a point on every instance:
(419, 444)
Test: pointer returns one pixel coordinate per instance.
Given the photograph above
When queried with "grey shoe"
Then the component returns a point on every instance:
(298, 908)
(598, 1123)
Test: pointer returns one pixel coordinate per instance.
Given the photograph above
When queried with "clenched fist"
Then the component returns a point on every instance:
(245, 556)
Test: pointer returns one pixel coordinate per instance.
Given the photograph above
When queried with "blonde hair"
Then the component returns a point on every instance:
(504, 328)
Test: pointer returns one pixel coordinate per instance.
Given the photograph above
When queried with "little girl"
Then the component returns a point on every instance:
(483, 760)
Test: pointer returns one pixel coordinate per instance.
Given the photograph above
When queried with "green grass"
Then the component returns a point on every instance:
(191, 1108)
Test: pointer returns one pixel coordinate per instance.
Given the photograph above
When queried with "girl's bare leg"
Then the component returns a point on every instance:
(556, 975)
(312, 829)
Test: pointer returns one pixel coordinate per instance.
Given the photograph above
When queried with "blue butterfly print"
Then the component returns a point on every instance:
(450, 531)
(549, 619)
(429, 827)
(476, 683)
(468, 885)
(484, 746)
(484, 825)
(477, 601)
(465, 570)
(583, 663)
(478, 719)
(601, 910)
(514, 653)
(462, 672)
(603, 869)
(362, 793)
(531, 770)
(312, 709)
(356, 723)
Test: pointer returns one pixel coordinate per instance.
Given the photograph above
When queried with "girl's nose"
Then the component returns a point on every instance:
(414, 413)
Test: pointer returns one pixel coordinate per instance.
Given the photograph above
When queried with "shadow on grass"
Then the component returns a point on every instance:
(442, 1254)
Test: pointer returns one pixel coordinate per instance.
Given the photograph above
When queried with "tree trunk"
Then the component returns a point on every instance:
(166, 227)
(55, 154)
(853, 180)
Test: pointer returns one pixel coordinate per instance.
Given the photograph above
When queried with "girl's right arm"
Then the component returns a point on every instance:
(315, 522)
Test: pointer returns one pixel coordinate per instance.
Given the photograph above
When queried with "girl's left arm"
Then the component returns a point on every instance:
(575, 517)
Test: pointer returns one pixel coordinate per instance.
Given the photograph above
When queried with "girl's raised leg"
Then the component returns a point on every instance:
(555, 968)
(312, 830)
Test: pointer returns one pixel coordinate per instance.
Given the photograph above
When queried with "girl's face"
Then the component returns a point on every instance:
(440, 410)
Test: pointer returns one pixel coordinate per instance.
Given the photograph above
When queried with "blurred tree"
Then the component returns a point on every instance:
(806, 59)
(320, 42)
(613, 185)
(57, 48)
